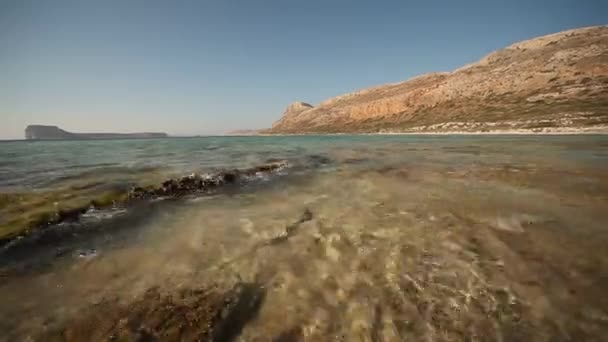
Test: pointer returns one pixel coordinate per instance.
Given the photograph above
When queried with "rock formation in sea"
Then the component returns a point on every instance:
(13, 227)
(552, 83)
(44, 132)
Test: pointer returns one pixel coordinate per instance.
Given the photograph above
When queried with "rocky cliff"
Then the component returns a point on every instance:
(42, 132)
(557, 82)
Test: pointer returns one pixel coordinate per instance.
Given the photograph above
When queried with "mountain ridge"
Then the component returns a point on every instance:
(552, 83)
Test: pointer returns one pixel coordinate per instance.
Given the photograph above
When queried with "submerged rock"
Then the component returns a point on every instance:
(200, 183)
(191, 314)
(171, 188)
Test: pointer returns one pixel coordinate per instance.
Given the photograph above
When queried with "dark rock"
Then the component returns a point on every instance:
(306, 216)
(229, 176)
(355, 160)
(318, 160)
(70, 215)
(291, 335)
(199, 314)
(242, 306)
(192, 182)
(274, 160)
(264, 168)
(139, 193)
(291, 229)
(197, 183)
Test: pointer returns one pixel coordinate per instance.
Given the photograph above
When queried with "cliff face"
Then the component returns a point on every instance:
(34, 132)
(551, 82)
(42, 132)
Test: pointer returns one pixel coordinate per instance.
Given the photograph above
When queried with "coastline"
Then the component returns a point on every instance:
(569, 131)
(506, 132)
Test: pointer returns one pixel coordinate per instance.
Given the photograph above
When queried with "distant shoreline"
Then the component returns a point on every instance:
(507, 132)
(601, 131)
(460, 133)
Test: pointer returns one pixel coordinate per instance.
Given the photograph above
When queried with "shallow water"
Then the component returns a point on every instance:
(377, 238)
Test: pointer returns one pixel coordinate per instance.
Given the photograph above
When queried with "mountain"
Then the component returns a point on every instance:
(557, 82)
(42, 132)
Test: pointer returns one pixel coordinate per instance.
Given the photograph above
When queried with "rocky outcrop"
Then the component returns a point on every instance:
(196, 183)
(555, 81)
(43, 132)
(293, 110)
(34, 132)
(297, 107)
(204, 313)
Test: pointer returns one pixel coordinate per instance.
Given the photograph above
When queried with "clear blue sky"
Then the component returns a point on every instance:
(197, 67)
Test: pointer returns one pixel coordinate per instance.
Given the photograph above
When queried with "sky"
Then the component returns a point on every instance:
(208, 67)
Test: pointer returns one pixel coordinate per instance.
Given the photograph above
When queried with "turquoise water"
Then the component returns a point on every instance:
(32, 165)
(379, 238)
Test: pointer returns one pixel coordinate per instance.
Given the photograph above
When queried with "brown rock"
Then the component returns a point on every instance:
(559, 80)
(205, 314)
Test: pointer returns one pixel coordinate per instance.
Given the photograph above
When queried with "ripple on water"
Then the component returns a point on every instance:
(400, 242)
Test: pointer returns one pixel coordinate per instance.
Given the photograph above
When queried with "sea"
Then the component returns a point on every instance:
(358, 238)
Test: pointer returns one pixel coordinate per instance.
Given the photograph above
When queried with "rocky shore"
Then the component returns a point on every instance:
(171, 188)
(196, 183)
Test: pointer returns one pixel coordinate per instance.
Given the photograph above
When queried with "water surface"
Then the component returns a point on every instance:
(377, 238)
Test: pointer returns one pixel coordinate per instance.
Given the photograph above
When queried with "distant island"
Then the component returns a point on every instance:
(244, 132)
(552, 84)
(44, 132)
